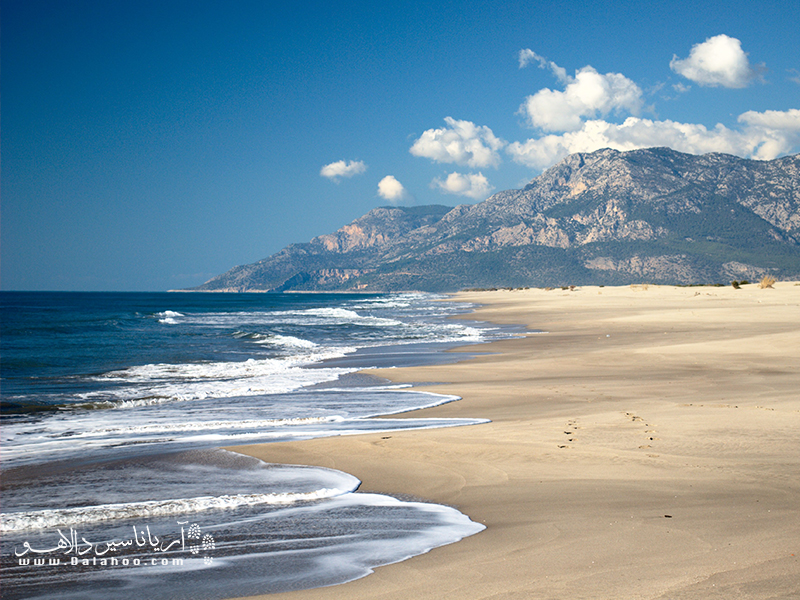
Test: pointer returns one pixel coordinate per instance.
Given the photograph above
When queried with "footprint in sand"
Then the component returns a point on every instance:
(571, 427)
(648, 432)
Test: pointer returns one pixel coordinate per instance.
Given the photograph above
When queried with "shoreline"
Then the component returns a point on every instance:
(645, 446)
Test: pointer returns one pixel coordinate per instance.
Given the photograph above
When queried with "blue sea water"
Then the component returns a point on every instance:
(114, 406)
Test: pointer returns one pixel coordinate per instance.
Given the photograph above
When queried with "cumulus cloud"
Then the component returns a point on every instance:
(788, 120)
(589, 94)
(779, 131)
(471, 185)
(340, 168)
(762, 136)
(719, 61)
(392, 190)
(462, 143)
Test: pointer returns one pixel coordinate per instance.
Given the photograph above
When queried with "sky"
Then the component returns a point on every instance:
(151, 145)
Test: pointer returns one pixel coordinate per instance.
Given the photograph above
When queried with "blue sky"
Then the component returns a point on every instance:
(150, 145)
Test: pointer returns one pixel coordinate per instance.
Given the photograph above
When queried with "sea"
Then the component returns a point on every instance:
(115, 408)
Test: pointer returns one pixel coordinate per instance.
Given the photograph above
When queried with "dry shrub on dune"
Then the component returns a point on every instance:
(767, 282)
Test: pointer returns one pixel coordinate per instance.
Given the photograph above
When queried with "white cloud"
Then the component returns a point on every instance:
(341, 168)
(719, 61)
(779, 120)
(527, 56)
(588, 94)
(471, 185)
(763, 136)
(392, 190)
(779, 131)
(462, 143)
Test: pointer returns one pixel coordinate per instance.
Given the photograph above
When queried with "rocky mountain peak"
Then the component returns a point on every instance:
(603, 217)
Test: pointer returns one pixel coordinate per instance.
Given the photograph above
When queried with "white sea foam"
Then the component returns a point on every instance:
(146, 385)
(334, 315)
(303, 317)
(69, 517)
(435, 400)
(255, 424)
(276, 339)
(286, 340)
(98, 433)
(329, 312)
(380, 303)
(452, 526)
(397, 330)
(168, 317)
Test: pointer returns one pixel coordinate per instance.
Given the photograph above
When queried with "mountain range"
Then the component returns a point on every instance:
(606, 217)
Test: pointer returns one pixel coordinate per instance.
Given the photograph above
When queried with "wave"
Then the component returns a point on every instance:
(382, 303)
(329, 312)
(168, 317)
(287, 341)
(279, 382)
(207, 425)
(223, 370)
(304, 317)
(334, 316)
(158, 383)
(70, 517)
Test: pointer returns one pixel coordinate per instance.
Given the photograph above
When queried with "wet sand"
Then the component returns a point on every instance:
(646, 445)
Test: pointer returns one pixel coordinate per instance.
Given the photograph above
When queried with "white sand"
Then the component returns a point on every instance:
(646, 446)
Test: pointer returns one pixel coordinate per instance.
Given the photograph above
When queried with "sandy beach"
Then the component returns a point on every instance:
(644, 444)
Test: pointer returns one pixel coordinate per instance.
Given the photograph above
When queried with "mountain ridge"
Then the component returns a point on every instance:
(605, 217)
